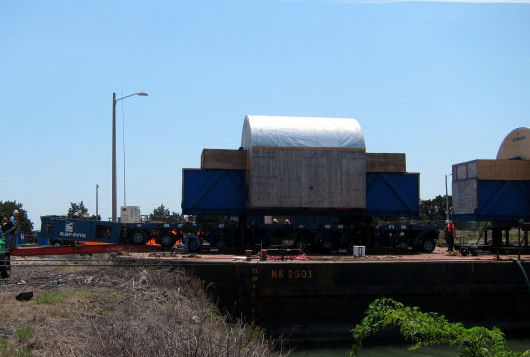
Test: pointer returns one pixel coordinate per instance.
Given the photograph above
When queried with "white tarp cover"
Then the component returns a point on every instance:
(260, 130)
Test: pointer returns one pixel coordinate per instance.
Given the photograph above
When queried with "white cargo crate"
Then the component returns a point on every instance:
(359, 251)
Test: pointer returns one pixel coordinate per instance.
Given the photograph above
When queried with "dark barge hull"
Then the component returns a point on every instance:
(311, 301)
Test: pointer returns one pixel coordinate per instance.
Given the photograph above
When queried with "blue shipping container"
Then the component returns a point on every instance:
(224, 192)
(392, 194)
(499, 200)
(213, 192)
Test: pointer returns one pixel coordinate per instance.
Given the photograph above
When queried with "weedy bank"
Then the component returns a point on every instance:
(116, 311)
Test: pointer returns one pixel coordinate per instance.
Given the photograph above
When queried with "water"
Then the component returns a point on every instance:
(398, 351)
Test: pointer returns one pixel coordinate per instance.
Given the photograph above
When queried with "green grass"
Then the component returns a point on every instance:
(23, 334)
(59, 313)
(58, 297)
(7, 350)
(52, 297)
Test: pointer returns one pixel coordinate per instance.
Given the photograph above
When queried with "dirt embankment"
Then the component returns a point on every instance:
(117, 311)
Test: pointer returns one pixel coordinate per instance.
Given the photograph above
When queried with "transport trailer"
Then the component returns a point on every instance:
(315, 173)
(250, 232)
(497, 192)
(210, 192)
(325, 237)
(63, 230)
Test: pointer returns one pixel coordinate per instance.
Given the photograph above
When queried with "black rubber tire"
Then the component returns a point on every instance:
(167, 241)
(327, 245)
(137, 237)
(220, 244)
(5, 269)
(428, 245)
(300, 244)
(192, 245)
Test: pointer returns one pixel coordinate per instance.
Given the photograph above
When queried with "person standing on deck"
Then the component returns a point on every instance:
(449, 232)
(13, 232)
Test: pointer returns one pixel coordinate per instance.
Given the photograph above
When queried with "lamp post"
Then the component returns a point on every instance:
(447, 198)
(97, 213)
(114, 194)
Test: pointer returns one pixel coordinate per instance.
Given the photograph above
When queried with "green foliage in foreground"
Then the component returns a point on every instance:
(59, 297)
(8, 350)
(430, 329)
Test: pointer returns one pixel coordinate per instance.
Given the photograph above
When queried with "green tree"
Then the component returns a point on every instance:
(435, 209)
(430, 329)
(6, 210)
(162, 214)
(77, 210)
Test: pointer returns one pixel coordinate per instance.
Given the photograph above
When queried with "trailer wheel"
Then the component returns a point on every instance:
(167, 241)
(5, 269)
(300, 244)
(221, 245)
(137, 237)
(194, 243)
(428, 245)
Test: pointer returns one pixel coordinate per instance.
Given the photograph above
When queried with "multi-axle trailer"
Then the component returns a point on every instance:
(64, 230)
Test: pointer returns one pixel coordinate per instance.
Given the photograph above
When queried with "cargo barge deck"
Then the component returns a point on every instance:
(322, 297)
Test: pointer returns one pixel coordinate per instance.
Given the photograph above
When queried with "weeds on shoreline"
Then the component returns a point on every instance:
(124, 312)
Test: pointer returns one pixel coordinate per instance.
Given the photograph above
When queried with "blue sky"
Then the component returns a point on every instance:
(443, 82)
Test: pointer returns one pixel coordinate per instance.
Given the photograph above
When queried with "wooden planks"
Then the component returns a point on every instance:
(492, 170)
(503, 169)
(386, 162)
(307, 178)
(222, 159)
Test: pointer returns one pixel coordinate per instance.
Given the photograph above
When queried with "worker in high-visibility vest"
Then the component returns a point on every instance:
(450, 235)
(5, 261)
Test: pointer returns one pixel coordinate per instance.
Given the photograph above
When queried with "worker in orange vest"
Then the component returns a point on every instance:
(450, 235)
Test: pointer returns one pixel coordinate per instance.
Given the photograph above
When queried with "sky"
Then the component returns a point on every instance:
(442, 81)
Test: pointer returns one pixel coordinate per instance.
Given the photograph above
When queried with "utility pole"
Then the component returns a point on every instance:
(114, 194)
(447, 198)
(97, 187)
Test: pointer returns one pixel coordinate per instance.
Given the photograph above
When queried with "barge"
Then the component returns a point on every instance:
(322, 298)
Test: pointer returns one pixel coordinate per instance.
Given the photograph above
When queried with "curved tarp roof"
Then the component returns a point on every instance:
(260, 130)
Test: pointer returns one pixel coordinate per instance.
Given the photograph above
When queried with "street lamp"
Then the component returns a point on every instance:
(447, 197)
(97, 213)
(114, 195)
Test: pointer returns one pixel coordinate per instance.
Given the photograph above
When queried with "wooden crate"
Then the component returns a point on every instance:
(492, 170)
(224, 159)
(465, 196)
(307, 178)
(386, 162)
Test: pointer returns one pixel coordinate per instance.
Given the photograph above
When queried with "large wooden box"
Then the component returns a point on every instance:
(492, 190)
(221, 159)
(307, 178)
(492, 170)
(386, 162)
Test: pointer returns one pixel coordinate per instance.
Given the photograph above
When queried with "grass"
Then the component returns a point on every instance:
(52, 297)
(7, 349)
(59, 297)
(24, 334)
(129, 312)
(59, 313)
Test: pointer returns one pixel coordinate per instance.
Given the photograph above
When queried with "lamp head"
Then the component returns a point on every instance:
(142, 94)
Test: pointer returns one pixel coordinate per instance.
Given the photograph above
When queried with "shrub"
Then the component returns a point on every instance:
(430, 329)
